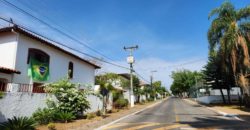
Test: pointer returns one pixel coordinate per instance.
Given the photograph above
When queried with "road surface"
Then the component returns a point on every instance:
(178, 114)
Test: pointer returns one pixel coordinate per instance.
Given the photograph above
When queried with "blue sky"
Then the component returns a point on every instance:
(170, 33)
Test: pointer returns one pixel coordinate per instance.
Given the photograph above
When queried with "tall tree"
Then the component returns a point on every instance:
(183, 81)
(213, 75)
(229, 36)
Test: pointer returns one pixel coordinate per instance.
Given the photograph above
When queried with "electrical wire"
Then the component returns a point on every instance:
(65, 34)
(86, 54)
(52, 27)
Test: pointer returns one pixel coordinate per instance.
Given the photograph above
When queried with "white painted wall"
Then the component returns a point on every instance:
(233, 91)
(20, 104)
(6, 76)
(83, 72)
(8, 45)
(215, 99)
(24, 104)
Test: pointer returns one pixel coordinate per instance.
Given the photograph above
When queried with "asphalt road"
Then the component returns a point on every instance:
(177, 114)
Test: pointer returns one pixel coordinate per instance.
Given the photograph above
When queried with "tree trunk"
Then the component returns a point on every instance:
(229, 96)
(222, 95)
(104, 105)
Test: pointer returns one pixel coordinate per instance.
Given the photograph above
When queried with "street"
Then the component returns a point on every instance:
(177, 114)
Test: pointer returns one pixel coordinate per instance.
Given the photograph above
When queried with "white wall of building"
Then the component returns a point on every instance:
(83, 72)
(8, 77)
(24, 104)
(8, 45)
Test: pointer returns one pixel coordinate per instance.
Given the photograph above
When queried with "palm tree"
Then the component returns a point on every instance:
(229, 35)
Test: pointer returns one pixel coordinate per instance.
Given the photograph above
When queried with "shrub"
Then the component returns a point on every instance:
(18, 123)
(99, 113)
(90, 116)
(43, 116)
(51, 126)
(69, 98)
(1, 94)
(64, 116)
(150, 99)
(113, 110)
(121, 103)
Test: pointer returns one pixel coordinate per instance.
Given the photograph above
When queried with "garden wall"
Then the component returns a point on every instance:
(216, 99)
(24, 104)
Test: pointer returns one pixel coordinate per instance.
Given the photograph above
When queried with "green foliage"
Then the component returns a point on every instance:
(99, 113)
(51, 126)
(18, 123)
(184, 80)
(43, 116)
(70, 99)
(1, 94)
(121, 103)
(228, 37)
(116, 95)
(91, 116)
(159, 88)
(64, 116)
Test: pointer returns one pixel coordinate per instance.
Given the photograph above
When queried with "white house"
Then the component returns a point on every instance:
(27, 61)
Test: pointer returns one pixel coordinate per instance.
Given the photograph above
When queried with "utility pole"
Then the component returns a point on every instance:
(130, 60)
(151, 82)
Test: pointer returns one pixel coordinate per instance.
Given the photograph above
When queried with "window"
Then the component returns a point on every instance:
(38, 62)
(70, 70)
(38, 55)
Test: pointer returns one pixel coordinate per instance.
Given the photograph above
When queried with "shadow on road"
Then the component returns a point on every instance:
(217, 122)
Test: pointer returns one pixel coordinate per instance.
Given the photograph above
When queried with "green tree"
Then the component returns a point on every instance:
(183, 81)
(229, 37)
(213, 76)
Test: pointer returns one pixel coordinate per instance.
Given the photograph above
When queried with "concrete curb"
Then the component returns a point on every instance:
(235, 116)
(113, 122)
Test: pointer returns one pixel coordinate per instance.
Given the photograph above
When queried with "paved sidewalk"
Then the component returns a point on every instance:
(232, 110)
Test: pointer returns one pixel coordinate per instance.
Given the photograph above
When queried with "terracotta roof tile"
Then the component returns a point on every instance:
(8, 70)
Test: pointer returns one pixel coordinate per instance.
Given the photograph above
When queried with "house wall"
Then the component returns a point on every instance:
(24, 104)
(83, 72)
(8, 45)
(5, 76)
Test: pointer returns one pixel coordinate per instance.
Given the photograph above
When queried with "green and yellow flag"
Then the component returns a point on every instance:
(38, 71)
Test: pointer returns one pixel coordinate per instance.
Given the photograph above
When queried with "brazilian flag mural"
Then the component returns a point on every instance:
(37, 70)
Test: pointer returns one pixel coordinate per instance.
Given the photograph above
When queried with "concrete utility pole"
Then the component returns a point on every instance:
(130, 60)
(151, 81)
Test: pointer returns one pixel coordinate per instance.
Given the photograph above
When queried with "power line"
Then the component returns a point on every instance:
(141, 77)
(65, 34)
(24, 3)
(190, 62)
(52, 27)
(102, 60)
